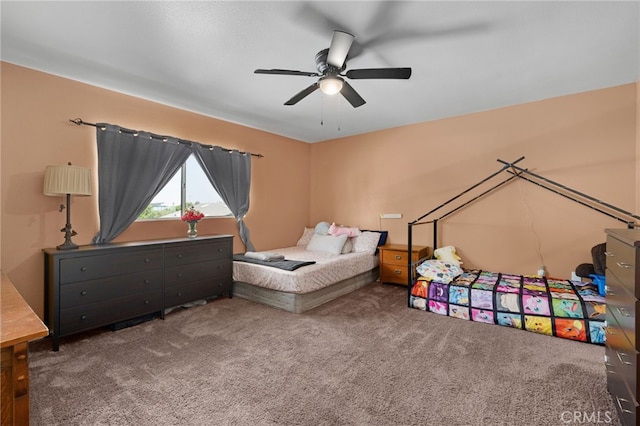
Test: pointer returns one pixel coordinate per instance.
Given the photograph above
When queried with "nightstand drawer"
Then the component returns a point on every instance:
(395, 257)
(394, 274)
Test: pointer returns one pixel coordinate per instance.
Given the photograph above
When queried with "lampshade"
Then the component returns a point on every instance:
(331, 85)
(68, 179)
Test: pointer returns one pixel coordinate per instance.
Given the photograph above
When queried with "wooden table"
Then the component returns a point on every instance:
(18, 325)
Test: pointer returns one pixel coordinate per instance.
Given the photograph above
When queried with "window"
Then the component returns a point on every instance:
(189, 186)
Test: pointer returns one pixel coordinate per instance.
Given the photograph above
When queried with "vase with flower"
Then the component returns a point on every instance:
(192, 216)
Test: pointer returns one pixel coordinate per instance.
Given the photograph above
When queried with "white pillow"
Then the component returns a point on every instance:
(306, 236)
(327, 243)
(367, 242)
(348, 246)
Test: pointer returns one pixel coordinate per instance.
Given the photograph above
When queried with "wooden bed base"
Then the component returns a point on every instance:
(298, 303)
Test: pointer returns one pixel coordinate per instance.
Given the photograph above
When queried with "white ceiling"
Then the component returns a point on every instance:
(200, 56)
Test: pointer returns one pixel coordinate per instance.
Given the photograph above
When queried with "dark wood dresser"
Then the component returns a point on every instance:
(622, 345)
(99, 285)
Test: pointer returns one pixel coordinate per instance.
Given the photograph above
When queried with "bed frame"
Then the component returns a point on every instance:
(302, 302)
(515, 172)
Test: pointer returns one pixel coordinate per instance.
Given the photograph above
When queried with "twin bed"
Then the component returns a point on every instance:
(556, 307)
(562, 308)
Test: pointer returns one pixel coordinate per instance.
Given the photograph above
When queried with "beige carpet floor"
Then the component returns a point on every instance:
(363, 359)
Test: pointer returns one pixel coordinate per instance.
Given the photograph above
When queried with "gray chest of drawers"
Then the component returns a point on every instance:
(94, 286)
(622, 345)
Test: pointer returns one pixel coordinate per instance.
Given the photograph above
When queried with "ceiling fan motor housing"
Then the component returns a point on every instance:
(323, 67)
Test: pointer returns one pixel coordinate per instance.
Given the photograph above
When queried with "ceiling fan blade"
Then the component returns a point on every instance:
(339, 48)
(351, 95)
(287, 72)
(396, 73)
(302, 94)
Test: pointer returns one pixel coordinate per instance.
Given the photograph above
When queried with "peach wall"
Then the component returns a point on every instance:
(36, 132)
(585, 141)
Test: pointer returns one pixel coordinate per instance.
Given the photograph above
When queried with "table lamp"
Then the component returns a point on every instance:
(67, 180)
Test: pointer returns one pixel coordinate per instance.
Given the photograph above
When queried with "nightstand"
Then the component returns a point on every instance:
(394, 262)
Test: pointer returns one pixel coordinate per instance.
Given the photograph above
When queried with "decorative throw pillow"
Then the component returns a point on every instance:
(339, 230)
(439, 270)
(327, 243)
(306, 236)
(322, 228)
(366, 242)
(448, 254)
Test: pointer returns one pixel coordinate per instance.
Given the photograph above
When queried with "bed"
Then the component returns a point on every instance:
(570, 309)
(555, 307)
(323, 276)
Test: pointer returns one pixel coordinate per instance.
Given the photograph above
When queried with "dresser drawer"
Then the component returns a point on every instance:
(179, 295)
(87, 292)
(625, 403)
(621, 262)
(213, 269)
(182, 254)
(621, 356)
(624, 307)
(95, 315)
(86, 268)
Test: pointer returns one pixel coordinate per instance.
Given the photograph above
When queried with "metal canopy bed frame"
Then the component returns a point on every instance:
(629, 219)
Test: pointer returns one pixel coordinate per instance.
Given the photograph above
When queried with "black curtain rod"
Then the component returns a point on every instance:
(79, 122)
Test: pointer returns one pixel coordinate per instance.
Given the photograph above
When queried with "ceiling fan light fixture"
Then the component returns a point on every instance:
(331, 85)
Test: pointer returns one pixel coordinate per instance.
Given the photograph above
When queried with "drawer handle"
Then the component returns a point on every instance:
(623, 312)
(179, 294)
(146, 281)
(620, 356)
(83, 293)
(179, 256)
(179, 275)
(624, 265)
(147, 260)
(611, 331)
(83, 269)
(21, 357)
(397, 271)
(609, 292)
(398, 257)
(609, 253)
(21, 377)
(619, 401)
(83, 317)
(146, 302)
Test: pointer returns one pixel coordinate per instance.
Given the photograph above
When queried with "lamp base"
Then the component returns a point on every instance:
(67, 245)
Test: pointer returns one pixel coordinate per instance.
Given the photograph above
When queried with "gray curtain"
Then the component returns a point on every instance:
(229, 171)
(132, 168)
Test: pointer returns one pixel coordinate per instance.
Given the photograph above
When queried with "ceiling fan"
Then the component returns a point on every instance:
(331, 64)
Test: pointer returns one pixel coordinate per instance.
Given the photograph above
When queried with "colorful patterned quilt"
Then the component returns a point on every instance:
(562, 308)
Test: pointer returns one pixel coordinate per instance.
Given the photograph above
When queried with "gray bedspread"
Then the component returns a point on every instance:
(287, 265)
